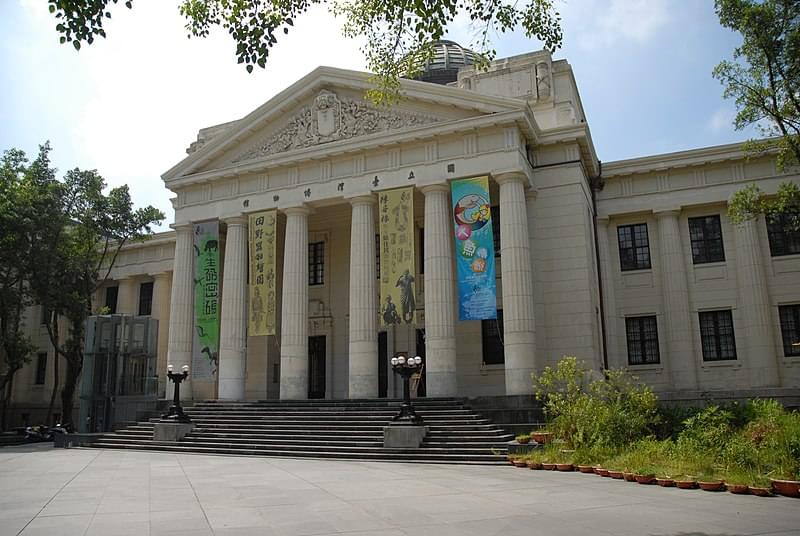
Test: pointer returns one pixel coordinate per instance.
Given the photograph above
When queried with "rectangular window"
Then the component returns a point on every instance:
(146, 299)
(45, 315)
(316, 263)
(496, 230)
(790, 329)
(492, 340)
(642, 335)
(41, 368)
(716, 334)
(784, 239)
(111, 299)
(705, 234)
(634, 247)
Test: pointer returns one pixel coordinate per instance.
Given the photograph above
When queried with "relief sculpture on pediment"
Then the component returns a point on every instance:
(329, 119)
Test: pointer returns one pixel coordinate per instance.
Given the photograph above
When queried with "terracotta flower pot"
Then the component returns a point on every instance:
(686, 484)
(565, 467)
(542, 437)
(615, 474)
(586, 469)
(547, 466)
(712, 485)
(761, 492)
(665, 482)
(523, 440)
(601, 472)
(520, 463)
(645, 479)
(739, 489)
(788, 488)
(534, 465)
(629, 477)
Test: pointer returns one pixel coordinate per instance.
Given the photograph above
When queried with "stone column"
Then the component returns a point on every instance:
(616, 358)
(680, 361)
(294, 310)
(440, 300)
(181, 312)
(233, 328)
(126, 296)
(519, 325)
(759, 352)
(161, 305)
(363, 331)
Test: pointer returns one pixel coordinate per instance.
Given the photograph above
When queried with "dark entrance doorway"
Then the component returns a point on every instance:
(383, 364)
(316, 366)
(421, 353)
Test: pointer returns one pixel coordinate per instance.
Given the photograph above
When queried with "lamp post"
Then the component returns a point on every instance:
(406, 368)
(175, 412)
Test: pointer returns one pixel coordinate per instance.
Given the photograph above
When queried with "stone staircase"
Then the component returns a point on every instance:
(340, 429)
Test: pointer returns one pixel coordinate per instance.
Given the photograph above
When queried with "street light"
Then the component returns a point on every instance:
(175, 412)
(406, 368)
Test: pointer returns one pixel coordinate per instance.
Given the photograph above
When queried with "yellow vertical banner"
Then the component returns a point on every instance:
(262, 287)
(398, 288)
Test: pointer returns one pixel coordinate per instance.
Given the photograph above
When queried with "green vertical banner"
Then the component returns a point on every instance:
(207, 286)
(475, 266)
(398, 288)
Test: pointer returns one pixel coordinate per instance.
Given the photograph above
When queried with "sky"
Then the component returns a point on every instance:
(131, 104)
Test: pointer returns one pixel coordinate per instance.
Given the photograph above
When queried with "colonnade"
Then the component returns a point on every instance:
(440, 298)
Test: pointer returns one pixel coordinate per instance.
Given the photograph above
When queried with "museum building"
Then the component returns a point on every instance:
(623, 264)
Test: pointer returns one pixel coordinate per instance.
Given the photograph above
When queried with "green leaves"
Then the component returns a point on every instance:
(82, 19)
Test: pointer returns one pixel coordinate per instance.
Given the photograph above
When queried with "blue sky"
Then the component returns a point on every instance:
(129, 105)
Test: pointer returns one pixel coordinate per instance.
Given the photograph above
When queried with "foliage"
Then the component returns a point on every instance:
(398, 33)
(587, 413)
(764, 81)
(78, 233)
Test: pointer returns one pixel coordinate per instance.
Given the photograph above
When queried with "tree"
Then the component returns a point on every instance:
(399, 32)
(73, 235)
(764, 81)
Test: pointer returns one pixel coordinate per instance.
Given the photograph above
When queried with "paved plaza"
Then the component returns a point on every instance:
(54, 492)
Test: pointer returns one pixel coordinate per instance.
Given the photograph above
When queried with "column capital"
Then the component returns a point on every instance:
(301, 210)
(182, 227)
(161, 275)
(603, 220)
(438, 187)
(511, 176)
(667, 213)
(362, 200)
(240, 219)
(531, 194)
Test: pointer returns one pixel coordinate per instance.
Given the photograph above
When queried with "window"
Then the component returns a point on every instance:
(111, 299)
(492, 340)
(45, 315)
(642, 334)
(146, 298)
(41, 368)
(316, 263)
(496, 230)
(783, 239)
(634, 247)
(716, 334)
(705, 234)
(790, 329)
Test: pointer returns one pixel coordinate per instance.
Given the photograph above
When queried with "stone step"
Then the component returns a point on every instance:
(399, 456)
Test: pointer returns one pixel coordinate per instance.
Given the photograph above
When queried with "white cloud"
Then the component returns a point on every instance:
(721, 120)
(606, 23)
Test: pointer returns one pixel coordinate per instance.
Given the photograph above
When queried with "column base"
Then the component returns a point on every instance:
(403, 436)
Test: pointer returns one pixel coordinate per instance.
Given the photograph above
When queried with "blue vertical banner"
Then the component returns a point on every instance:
(475, 265)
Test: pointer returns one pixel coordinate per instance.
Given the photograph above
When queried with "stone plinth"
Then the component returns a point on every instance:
(171, 431)
(403, 436)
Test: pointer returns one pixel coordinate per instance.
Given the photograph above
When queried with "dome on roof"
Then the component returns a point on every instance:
(448, 58)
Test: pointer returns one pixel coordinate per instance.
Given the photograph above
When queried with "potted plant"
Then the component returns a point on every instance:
(541, 436)
(645, 474)
(629, 476)
(523, 439)
(686, 482)
(665, 481)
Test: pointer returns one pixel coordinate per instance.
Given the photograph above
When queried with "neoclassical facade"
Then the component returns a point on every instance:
(623, 264)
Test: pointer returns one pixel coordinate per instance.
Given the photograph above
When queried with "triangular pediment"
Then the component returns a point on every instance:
(327, 107)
